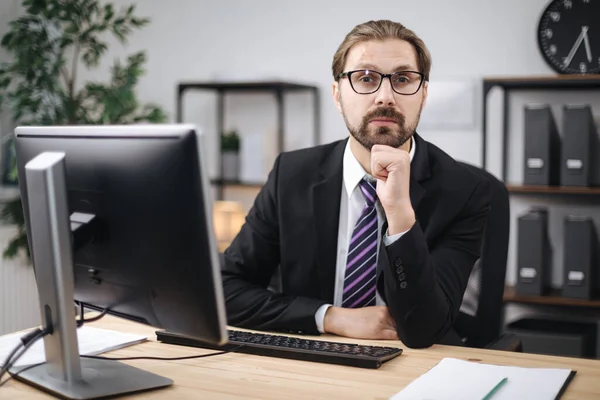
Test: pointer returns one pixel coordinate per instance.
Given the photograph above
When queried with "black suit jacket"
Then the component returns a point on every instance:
(294, 224)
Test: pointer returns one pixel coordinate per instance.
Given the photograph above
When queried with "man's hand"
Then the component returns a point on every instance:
(391, 168)
(360, 323)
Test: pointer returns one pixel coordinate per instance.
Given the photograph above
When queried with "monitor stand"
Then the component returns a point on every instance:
(65, 373)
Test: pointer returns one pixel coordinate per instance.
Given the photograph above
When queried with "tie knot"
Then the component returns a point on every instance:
(369, 192)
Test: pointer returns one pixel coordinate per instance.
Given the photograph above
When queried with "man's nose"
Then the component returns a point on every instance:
(385, 94)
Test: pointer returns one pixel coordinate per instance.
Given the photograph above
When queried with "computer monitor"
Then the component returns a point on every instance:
(118, 218)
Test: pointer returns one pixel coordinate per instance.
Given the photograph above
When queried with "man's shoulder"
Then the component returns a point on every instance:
(447, 169)
(456, 187)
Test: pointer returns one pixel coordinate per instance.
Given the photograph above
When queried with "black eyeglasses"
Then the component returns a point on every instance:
(366, 81)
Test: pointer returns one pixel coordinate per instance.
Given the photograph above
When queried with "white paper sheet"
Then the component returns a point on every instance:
(453, 379)
(91, 341)
(528, 383)
(458, 379)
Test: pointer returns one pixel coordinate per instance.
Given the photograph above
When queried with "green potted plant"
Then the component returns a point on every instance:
(230, 155)
(48, 43)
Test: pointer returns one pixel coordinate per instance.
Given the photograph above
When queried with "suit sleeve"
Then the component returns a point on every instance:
(249, 264)
(424, 286)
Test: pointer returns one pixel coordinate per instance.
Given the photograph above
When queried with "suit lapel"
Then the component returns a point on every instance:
(326, 212)
(419, 172)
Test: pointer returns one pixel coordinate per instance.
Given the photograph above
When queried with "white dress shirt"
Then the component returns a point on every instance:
(352, 203)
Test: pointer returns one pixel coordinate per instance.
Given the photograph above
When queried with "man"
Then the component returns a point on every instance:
(375, 236)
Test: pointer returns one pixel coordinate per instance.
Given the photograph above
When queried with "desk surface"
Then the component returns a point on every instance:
(235, 376)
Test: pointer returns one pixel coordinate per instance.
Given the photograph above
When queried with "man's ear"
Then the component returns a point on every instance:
(335, 93)
(425, 88)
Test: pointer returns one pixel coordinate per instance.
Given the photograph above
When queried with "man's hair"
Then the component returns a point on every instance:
(380, 30)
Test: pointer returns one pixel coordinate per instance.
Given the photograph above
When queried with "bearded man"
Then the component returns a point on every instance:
(373, 236)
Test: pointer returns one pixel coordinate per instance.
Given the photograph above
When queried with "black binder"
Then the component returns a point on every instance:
(579, 166)
(580, 274)
(534, 253)
(542, 147)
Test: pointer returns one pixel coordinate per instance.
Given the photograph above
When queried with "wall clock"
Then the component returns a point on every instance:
(569, 36)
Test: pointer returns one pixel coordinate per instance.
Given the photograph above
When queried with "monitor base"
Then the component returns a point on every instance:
(100, 378)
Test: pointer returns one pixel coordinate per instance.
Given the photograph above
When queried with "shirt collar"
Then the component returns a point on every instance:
(354, 172)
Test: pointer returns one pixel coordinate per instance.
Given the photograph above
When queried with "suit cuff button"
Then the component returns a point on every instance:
(398, 262)
(403, 285)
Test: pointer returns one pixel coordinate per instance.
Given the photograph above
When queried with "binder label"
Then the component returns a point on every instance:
(574, 164)
(576, 276)
(535, 163)
(527, 273)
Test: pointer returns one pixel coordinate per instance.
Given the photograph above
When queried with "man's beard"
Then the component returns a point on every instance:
(394, 136)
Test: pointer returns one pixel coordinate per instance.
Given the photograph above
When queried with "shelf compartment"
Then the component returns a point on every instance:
(554, 298)
(554, 190)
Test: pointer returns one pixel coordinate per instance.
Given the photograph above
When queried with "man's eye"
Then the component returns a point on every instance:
(402, 79)
(366, 79)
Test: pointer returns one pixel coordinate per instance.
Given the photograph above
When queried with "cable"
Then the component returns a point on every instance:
(125, 358)
(31, 337)
(23, 341)
(10, 356)
(26, 338)
(103, 313)
(20, 371)
(27, 341)
(165, 358)
(82, 320)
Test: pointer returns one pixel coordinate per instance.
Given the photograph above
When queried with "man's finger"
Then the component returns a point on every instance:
(380, 165)
(389, 160)
(378, 171)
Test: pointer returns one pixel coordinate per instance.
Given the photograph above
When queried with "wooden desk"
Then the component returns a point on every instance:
(244, 376)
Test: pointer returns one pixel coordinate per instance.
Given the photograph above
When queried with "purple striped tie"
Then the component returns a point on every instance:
(361, 264)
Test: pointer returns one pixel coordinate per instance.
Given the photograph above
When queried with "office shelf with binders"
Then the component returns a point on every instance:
(277, 88)
(559, 199)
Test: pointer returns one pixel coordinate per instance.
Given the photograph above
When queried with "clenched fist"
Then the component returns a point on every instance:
(391, 167)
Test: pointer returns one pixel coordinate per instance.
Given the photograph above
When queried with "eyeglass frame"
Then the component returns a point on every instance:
(348, 75)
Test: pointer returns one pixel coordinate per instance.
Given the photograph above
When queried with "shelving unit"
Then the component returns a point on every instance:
(561, 307)
(277, 88)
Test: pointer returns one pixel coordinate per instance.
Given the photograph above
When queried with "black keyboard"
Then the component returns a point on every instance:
(294, 348)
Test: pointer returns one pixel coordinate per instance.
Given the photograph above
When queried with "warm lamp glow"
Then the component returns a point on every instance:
(228, 216)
